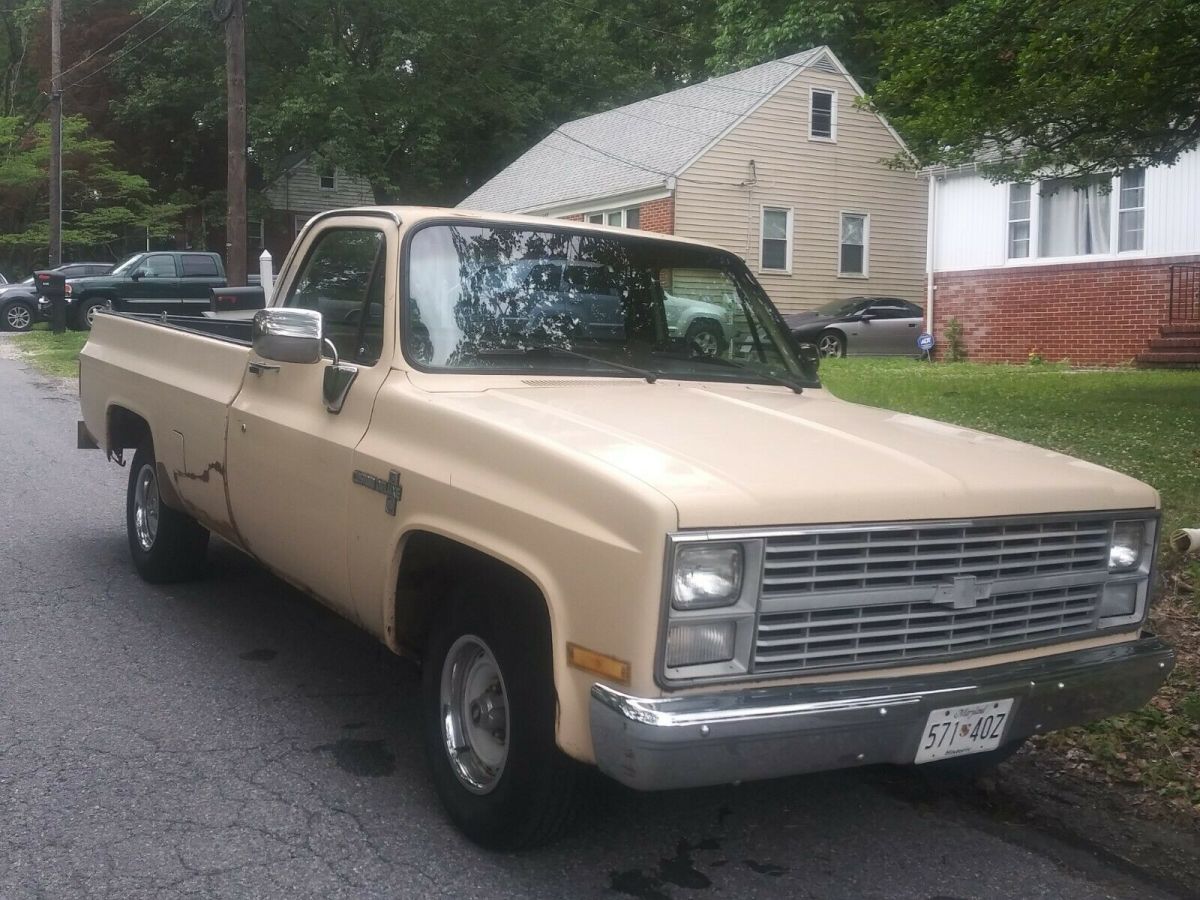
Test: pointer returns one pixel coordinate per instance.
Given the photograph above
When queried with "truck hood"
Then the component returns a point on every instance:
(745, 455)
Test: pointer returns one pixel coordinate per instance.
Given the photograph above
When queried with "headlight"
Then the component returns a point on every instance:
(1125, 550)
(707, 576)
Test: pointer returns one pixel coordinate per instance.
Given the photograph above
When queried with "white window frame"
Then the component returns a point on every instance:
(762, 214)
(833, 115)
(1119, 191)
(605, 213)
(332, 176)
(866, 244)
(1036, 258)
(256, 236)
(1031, 239)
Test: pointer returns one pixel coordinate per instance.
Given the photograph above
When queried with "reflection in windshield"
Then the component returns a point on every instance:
(491, 297)
(126, 264)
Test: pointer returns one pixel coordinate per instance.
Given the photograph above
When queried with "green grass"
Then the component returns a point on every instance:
(55, 354)
(1143, 423)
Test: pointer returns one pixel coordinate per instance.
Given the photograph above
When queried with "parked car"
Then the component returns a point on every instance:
(605, 549)
(860, 326)
(19, 303)
(705, 324)
(172, 282)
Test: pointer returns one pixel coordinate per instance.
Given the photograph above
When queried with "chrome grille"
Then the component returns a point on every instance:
(919, 555)
(847, 636)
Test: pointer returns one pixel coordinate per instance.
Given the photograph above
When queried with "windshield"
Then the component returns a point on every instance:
(492, 297)
(126, 265)
(841, 307)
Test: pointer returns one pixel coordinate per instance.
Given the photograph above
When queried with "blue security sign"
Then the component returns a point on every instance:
(925, 342)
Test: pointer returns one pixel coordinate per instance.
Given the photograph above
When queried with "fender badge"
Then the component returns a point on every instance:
(390, 487)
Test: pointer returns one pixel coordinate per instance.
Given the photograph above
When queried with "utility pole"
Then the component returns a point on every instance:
(235, 86)
(55, 133)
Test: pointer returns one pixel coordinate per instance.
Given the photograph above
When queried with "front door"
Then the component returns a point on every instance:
(290, 461)
(896, 326)
(156, 287)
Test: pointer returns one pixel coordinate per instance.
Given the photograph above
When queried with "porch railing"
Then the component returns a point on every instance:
(1184, 304)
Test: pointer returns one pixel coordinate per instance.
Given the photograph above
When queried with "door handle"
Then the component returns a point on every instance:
(257, 368)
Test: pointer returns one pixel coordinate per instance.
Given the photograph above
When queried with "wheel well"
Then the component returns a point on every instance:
(704, 320)
(126, 430)
(430, 565)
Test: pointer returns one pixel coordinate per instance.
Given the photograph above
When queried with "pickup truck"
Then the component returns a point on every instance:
(172, 282)
(609, 546)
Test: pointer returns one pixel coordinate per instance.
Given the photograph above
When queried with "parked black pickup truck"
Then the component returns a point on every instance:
(177, 283)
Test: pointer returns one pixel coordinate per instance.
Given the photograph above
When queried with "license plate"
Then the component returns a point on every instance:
(960, 730)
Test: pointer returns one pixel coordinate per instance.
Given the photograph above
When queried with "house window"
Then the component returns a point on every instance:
(617, 218)
(776, 250)
(254, 234)
(1131, 219)
(1019, 205)
(822, 117)
(1074, 215)
(852, 258)
(328, 178)
(298, 223)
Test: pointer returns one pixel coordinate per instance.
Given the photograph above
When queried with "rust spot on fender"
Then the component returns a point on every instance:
(203, 476)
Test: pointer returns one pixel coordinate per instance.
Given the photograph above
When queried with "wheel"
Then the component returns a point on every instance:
(831, 343)
(705, 339)
(17, 316)
(489, 709)
(86, 313)
(166, 545)
(966, 768)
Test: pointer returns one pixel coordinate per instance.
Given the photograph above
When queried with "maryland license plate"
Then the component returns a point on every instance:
(960, 730)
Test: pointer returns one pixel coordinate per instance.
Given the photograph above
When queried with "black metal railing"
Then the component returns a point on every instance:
(1184, 303)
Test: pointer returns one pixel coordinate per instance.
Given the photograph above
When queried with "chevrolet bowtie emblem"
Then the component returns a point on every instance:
(964, 592)
(390, 487)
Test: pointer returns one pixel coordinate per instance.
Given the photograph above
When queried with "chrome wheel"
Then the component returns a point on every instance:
(89, 314)
(830, 345)
(706, 343)
(474, 714)
(145, 507)
(18, 318)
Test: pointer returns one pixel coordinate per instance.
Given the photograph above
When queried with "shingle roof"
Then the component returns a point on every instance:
(634, 147)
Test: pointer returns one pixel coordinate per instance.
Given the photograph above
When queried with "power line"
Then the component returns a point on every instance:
(126, 51)
(100, 50)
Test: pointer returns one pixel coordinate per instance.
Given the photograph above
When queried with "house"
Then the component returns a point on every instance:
(1097, 270)
(776, 163)
(306, 187)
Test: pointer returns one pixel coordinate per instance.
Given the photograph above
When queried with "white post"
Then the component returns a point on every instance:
(266, 274)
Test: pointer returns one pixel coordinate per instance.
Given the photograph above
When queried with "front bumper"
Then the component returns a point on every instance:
(705, 739)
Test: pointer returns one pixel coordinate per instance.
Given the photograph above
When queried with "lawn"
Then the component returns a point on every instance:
(55, 354)
(1143, 423)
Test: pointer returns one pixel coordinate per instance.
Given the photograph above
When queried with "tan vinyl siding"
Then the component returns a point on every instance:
(818, 180)
(300, 191)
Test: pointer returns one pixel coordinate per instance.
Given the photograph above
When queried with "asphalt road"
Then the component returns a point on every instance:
(231, 738)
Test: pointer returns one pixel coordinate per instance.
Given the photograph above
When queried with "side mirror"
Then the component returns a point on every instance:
(288, 335)
(867, 317)
(137, 274)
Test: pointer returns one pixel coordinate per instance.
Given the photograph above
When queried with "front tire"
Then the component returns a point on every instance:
(488, 713)
(165, 544)
(18, 316)
(705, 339)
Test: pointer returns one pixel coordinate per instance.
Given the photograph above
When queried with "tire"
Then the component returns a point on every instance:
(963, 769)
(705, 339)
(87, 312)
(831, 344)
(166, 545)
(488, 691)
(18, 315)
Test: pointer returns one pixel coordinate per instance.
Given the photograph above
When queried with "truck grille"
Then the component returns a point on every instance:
(871, 635)
(857, 597)
(914, 556)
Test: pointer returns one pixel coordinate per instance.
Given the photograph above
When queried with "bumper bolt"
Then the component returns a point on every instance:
(704, 731)
(883, 710)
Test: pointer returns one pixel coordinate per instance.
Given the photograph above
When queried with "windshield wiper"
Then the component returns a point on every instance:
(650, 377)
(730, 364)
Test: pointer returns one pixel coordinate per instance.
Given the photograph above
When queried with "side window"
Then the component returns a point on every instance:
(890, 309)
(343, 279)
(195, 266)
(158, 266)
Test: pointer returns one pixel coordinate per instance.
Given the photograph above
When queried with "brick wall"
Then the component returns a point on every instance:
(658, 215)
(1101, 313)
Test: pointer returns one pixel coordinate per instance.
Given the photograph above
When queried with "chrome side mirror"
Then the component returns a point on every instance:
(288, 335)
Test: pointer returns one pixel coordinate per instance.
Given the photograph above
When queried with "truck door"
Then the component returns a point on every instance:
(199, 276)
(153, 286)
(290, 461)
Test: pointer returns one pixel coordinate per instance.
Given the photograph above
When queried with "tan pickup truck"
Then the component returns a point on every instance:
(609, 543)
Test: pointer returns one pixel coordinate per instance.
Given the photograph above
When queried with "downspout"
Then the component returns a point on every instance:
(931, 253)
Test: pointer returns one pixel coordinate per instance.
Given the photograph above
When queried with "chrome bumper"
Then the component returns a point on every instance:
(704, 739)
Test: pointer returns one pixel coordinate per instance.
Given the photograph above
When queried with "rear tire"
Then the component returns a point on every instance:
(489, 710)
(831, 344)
(165, 544)
(87, 313)
(18, 315)
(705, 339)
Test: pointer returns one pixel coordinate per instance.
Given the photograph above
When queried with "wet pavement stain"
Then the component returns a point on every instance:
(636, 883)
(764, 868)
(260, 654)
(679, 870)
(366, 759)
